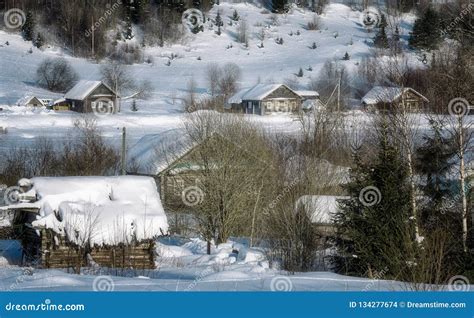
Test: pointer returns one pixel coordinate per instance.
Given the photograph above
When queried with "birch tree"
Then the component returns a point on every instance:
(460, 129)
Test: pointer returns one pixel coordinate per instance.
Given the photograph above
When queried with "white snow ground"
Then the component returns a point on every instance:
(186, 267)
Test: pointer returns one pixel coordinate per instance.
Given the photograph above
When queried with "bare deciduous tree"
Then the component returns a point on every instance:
(213, 76)
(228, 84)
(56, 74)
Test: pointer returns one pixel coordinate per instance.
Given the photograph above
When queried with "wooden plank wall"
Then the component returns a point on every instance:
(66, 255)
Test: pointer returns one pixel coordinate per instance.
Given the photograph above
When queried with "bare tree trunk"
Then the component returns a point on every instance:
(413, 195)
(252, 230)
(462, 178)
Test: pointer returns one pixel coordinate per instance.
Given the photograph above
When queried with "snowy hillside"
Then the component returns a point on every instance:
(341, 32)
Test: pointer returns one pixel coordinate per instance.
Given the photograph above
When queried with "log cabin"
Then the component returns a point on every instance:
(73, 222)
(265, 99)
(385, 98)
(87, 96)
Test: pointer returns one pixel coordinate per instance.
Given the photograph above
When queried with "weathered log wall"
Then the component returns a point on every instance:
(57, 253)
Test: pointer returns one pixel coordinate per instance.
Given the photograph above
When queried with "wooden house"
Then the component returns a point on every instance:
(383, 98)
(167, 157)
(310, 99)
(73, 222)
(31, 101)
(264, 99)
(87, 96)
(177, 166)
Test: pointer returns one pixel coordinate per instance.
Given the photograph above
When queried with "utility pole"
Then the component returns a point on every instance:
(339, 92)
(124, 150)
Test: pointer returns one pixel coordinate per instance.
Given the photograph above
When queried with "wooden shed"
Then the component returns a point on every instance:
(73, 222)
(30, 101)
(384, 98)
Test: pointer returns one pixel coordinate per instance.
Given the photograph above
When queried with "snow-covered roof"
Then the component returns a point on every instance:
(307, 93)
(83, 89)
(106, 210)
(387, 94)
(25, 100)
(153, 153)
(257, 92)
(57, 101)
(321, 207)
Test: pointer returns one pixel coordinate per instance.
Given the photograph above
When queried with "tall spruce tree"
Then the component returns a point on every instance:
(375, 235)
(39, 42)
(396, 34)
(28, 27)
(434, 162)
(219, 22)
(381, 40)
(279, 6)
(426, 31)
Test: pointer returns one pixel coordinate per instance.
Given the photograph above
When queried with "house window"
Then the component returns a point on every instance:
(268, 106)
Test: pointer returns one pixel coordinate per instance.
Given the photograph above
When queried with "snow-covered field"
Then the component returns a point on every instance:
(185, 266)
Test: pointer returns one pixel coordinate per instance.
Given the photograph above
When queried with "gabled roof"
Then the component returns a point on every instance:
(84, 88)
(27, 99)
(257, 92)
(387, 94)
(153, 153)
